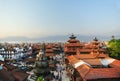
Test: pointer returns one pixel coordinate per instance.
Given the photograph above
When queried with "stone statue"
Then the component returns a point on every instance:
(39, 56)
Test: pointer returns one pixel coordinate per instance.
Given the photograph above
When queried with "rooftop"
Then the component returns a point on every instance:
(103, 73)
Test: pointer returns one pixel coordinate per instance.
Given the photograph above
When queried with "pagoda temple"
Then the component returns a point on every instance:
(72, 45)
(90, 62)
(49, 52)
(84, 50)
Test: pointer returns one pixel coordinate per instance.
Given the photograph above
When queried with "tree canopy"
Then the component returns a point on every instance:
(40, 78)
(114, 48)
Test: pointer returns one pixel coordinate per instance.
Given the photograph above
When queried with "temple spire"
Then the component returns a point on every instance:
(72, 36)
(95, 39)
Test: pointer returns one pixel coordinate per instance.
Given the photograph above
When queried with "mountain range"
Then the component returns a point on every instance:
(57, 38)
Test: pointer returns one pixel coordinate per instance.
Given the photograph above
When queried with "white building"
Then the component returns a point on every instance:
(1, 58)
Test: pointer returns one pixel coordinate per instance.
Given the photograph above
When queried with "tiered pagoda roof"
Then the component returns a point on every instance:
(95, 65)
(49, 50)
(73, 39)
(72, 45)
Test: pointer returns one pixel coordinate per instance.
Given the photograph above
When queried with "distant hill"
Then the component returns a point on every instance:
(57, 38)
(15, 39)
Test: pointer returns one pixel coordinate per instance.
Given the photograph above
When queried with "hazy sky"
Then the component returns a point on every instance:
(38, 18)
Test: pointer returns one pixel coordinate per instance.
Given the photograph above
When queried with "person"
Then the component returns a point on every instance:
(56, 75)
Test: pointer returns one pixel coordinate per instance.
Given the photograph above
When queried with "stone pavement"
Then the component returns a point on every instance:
(64, 77)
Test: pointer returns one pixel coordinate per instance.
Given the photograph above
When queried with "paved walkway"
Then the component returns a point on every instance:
(60, 68)
(64, 77)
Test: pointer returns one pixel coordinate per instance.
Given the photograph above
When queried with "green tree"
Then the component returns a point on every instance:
(114, 48)
(40, 78)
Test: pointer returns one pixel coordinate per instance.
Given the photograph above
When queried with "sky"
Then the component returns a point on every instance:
(40, 18)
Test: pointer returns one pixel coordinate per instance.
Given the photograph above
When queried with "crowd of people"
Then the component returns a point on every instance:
(59, 68)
